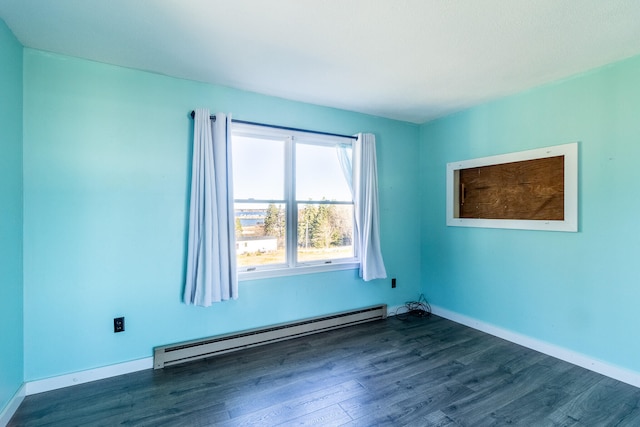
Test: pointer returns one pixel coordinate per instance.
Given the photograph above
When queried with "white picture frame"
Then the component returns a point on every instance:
(570, 222)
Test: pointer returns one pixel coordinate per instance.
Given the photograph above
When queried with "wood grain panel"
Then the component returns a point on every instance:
(528, 190)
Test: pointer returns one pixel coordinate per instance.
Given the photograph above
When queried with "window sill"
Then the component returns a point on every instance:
(308, 269)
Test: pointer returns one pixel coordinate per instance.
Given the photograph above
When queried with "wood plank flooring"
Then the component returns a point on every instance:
(418, 372)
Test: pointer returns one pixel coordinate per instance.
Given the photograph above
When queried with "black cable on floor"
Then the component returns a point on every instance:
(420, 308)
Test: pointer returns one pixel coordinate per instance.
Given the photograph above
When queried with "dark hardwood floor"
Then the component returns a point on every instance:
(419, 372)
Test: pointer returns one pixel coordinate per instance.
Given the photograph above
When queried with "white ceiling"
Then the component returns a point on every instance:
(413, 60)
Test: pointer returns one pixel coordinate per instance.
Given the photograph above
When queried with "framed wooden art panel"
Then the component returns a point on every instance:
(529, 190)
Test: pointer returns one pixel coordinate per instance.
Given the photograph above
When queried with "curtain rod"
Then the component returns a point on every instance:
(193, 114)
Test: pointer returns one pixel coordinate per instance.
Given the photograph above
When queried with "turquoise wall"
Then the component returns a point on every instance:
(106, 164)
(11, 319)
(106, 173)
(576, 290)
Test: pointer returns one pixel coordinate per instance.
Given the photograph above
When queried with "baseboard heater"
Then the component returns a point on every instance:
(199, 349)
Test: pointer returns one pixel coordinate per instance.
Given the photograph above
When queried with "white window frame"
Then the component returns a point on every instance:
(292, 266)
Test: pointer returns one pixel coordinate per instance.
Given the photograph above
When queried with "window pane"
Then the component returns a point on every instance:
(260, 234)
(258, 168)
(319, 175)
(325, 231)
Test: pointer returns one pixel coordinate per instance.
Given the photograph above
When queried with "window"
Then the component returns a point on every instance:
(293, 201)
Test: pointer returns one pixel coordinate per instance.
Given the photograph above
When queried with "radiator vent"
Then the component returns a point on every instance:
(208, 347)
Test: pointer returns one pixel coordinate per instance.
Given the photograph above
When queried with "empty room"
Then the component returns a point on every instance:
(287, 212)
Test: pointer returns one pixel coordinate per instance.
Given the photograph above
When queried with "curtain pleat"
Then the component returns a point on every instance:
(365, 183)
(211, 262)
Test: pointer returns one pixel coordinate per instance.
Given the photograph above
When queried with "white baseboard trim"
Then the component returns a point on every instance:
(67, 380)
(75, 378)
(579, 359)
(61, 381)
(12, 406)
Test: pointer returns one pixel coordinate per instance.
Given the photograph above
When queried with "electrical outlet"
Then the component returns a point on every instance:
(118, 324)
(393, 282)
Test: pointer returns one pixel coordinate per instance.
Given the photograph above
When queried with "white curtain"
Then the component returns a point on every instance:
(345, 154)
(365, 198)
(211, 258)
